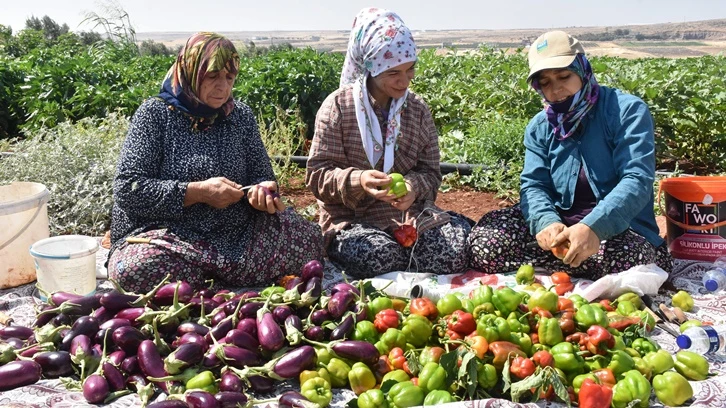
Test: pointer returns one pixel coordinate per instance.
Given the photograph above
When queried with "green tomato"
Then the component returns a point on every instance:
(448, 304)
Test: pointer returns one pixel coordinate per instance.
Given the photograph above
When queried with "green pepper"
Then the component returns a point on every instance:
(430, 353)
(539, 346)
(549, 331)
(483, 309)
(596, 362)
(448, 304)
(688, 324)
(318, 391)
(643, 367)
(578, 300)
(506, 300)
(372, 399)
(620, 362)
(323, 356)
(682, 300)
(525, 275)
(365, 331)
(515, 325)
(631, 387)
(390, 339)
(644, 346)
(619, 343)
(522, 340)
(566, 357)
(432, 377)
(395, 375)
(691, 365)
(271, 290)
(467, 305)
(577, 381)
(588, 315)
(492, 328)
(646, 319)
(660, 360)
(361, 378)
(487, 376)
(632, 352)
(376, 305)
(626, 307)
(405, 394)
(338, 371)
(201, 381)
(308, 374)
(672, 389)
(543, 299)
(417, 330)
(437, 397)
(482, 294)
(632, 297)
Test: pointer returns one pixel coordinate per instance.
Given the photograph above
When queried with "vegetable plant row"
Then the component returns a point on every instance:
(211, 348)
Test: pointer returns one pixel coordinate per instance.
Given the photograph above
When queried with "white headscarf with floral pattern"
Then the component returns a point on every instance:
(378, 41)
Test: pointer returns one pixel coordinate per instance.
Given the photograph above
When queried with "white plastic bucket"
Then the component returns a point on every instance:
(23, 220)
(66, 263)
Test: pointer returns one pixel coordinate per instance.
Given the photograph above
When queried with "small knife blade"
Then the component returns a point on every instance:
(648, 302)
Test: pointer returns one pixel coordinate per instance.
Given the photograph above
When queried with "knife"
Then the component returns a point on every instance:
(648, 302)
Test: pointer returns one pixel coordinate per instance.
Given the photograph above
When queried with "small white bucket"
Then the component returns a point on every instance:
(23, 220)
(66, 263)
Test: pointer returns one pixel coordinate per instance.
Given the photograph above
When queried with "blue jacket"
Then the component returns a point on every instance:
(615, 145)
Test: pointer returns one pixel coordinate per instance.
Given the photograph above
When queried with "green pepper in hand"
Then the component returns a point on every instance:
(397, 187)
(318, 391)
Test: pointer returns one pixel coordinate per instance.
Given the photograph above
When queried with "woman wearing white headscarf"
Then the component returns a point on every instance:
(371, 127)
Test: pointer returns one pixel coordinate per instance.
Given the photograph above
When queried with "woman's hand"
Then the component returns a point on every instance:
(264, 197)
(217, 192)
(548, 234)
(403, 203)
(374, 183)
(583, 243)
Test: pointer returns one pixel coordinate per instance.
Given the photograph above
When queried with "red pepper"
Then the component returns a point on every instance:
(504, 350)
(606, 376)
(396, 358)
(600, 337)
(565, 305)
(424, 307)
(594, 396)
(541, 312)
(521, 367)
(461, 322)
(622, 322)
(562, 288)
(560, 277)
(543, 358)
(386, 319)
(406, 235)
(452, 335)
(606, 304)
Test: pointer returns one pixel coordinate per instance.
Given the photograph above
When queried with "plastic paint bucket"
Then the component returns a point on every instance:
(66, 263)
(23, 220)
(695, 211)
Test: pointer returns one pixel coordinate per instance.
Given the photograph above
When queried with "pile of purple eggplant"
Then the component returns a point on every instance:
(202, 348)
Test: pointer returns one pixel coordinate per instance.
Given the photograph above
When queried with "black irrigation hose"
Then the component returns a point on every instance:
(463, 169)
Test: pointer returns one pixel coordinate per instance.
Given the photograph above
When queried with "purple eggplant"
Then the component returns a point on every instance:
(117, 357)
(205, 292)
(315, 333)
(221, 296)
(292, 399)
(103, 337)
(114, 301)
(169, 403)
(230, 382)
(43, 319)
(82, 306)
(19, 332)
(58, 298)
(15, 342)
(344, 287)
(114, 377)
(248, 325)
(313, 289)
(340, 303)
(293, 330)
(238, 357)
(221, 329)
(280, 313)
(128, 338)
(95, 389)
(218, 317)
(61, 319)
(196, 305)
(19, 373)
(83, 325)
(294, 321)
(296, 283)
(184, 356)
(114, 323)
(231, 399)
(360, 311)
(320, 316)
(150, 362)
(357, 350)
(231, 306)
(81, 347)
(269, 333)
(135, 381)
(188, 327)
(201, 399)
(249, 294)
(312, 269)
(249, 310)
(261, 384)
(165, 295)
(242, 339)
(102, 314)
(54, 363)
(294, 362)
(130, 365)
(131, 314)
(190, 338)
(345, 329)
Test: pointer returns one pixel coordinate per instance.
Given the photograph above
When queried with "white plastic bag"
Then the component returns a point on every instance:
(641, 279)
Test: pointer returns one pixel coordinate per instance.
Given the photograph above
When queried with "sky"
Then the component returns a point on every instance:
(294, 15)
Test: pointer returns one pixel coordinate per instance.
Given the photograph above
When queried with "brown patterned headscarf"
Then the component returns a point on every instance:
(204, 52)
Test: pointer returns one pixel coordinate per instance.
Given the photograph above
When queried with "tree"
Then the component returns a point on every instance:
(51, 30)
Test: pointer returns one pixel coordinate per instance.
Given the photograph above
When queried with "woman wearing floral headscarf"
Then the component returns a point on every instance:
(371, 127)
(587, 183)
(179, 207)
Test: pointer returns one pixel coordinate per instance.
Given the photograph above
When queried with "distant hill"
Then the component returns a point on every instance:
(682, 39)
